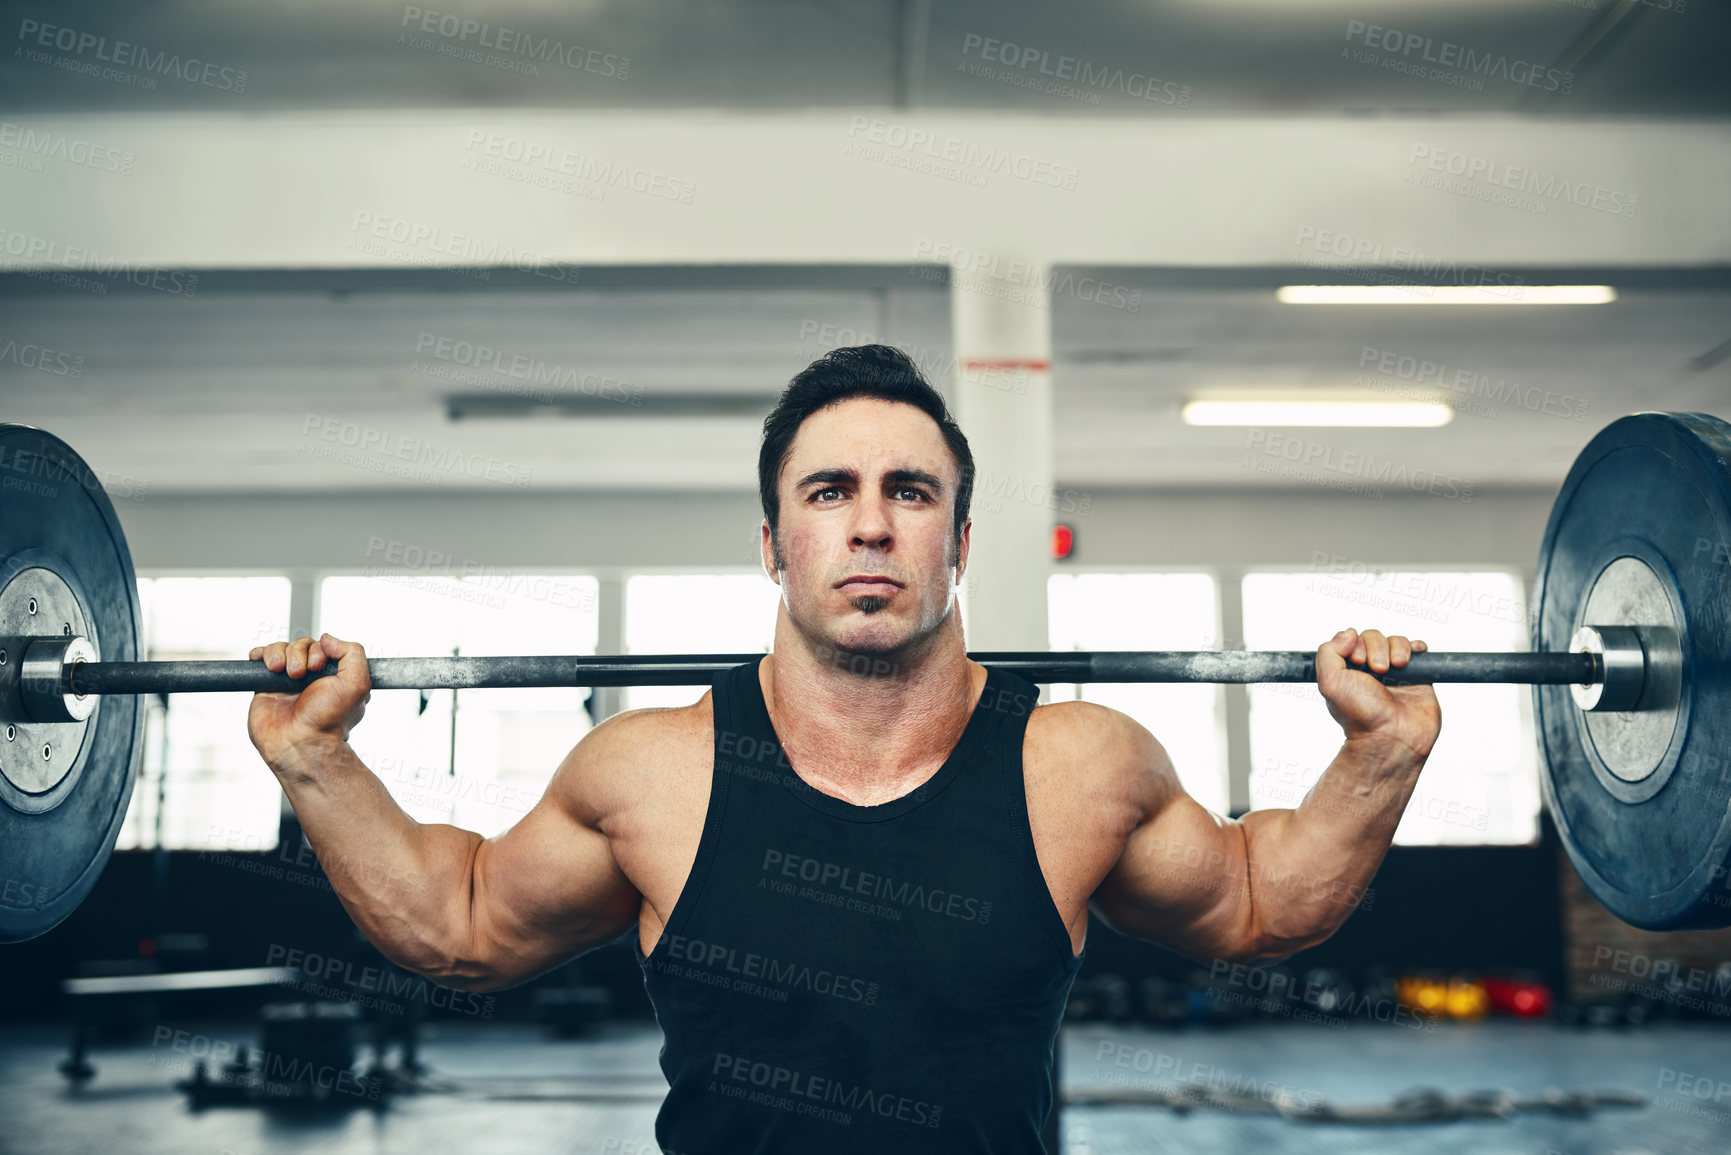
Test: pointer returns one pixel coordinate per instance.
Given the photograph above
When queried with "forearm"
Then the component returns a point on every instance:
(406, 885)
(1309, 868)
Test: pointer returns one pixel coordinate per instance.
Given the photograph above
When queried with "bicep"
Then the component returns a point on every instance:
(1182, 879)
(549, 888)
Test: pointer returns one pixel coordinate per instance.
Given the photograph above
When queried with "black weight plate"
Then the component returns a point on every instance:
(54, 513)
(1657, 487)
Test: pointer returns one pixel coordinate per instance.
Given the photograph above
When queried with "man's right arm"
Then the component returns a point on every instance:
(473, 913)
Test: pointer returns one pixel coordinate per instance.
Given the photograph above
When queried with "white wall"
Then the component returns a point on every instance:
(287, 189)
(551, 531)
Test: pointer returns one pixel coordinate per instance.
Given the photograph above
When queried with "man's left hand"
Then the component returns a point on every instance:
(1370, 712)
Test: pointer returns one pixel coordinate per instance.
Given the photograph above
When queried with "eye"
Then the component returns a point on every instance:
(909, 493)
(822, 494)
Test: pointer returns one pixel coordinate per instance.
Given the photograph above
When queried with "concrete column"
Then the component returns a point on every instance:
(1001, 331)
(609, 639)
(303, 622)
(1230, 583)
(1002, 335)
(303, 605)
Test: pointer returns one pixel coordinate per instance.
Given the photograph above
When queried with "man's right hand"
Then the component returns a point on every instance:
(324, 712)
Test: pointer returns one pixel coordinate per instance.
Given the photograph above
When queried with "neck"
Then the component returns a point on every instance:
(869, 728)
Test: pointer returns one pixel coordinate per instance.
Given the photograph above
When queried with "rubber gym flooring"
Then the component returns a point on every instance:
(511, 1089)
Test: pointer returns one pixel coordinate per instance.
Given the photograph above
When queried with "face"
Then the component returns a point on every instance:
(865, 551)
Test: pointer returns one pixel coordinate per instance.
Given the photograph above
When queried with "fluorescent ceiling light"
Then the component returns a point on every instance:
(1404, 414)
(551, 403)
(1445, 294)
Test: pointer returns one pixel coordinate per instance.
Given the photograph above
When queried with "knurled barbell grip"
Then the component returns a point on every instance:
(435, 673)
(1256, 666)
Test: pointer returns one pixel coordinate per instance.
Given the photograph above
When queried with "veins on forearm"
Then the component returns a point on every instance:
(1364, 788)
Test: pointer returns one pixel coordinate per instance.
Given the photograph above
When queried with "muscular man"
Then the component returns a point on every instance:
(860, 868)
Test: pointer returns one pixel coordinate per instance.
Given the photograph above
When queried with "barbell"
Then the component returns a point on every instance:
(1630, 643)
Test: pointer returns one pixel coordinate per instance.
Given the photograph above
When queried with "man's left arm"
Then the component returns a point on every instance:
(1277, 881)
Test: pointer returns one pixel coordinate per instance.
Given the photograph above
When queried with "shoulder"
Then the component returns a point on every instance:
(1099, 752)
(648, 732)
(635, 756)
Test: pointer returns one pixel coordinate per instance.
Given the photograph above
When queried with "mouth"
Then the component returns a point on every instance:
(869, 586)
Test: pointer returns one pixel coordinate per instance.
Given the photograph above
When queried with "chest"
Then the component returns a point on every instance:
(656, 844)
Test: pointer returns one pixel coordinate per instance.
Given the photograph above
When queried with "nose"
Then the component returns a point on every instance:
(871, 522)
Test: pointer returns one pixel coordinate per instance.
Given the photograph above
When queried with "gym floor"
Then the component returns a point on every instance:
(506, 1089)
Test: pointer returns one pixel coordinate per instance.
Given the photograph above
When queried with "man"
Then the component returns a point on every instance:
(860, 868)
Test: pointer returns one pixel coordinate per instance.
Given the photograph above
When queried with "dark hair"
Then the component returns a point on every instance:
(841, 375)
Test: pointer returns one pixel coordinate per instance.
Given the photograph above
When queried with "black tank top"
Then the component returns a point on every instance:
(861, 979)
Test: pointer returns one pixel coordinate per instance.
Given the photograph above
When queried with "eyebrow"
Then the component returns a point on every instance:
(914, 477)
(851, 477)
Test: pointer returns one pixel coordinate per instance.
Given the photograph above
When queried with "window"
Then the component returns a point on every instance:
(696, 614)
(1481, 783)
(215, 792)
(487, 767)
(1147, 611)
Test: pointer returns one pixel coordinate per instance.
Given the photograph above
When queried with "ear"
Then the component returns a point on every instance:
(962, 549)
(767, 547)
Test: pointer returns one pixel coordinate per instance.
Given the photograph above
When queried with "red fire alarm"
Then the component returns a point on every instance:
(1063, 541)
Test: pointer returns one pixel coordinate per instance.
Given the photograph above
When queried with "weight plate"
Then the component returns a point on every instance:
(1641, 534)
(57, 828)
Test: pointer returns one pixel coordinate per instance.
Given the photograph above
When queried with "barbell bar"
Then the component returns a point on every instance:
(1630, 668)
(81, 677)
